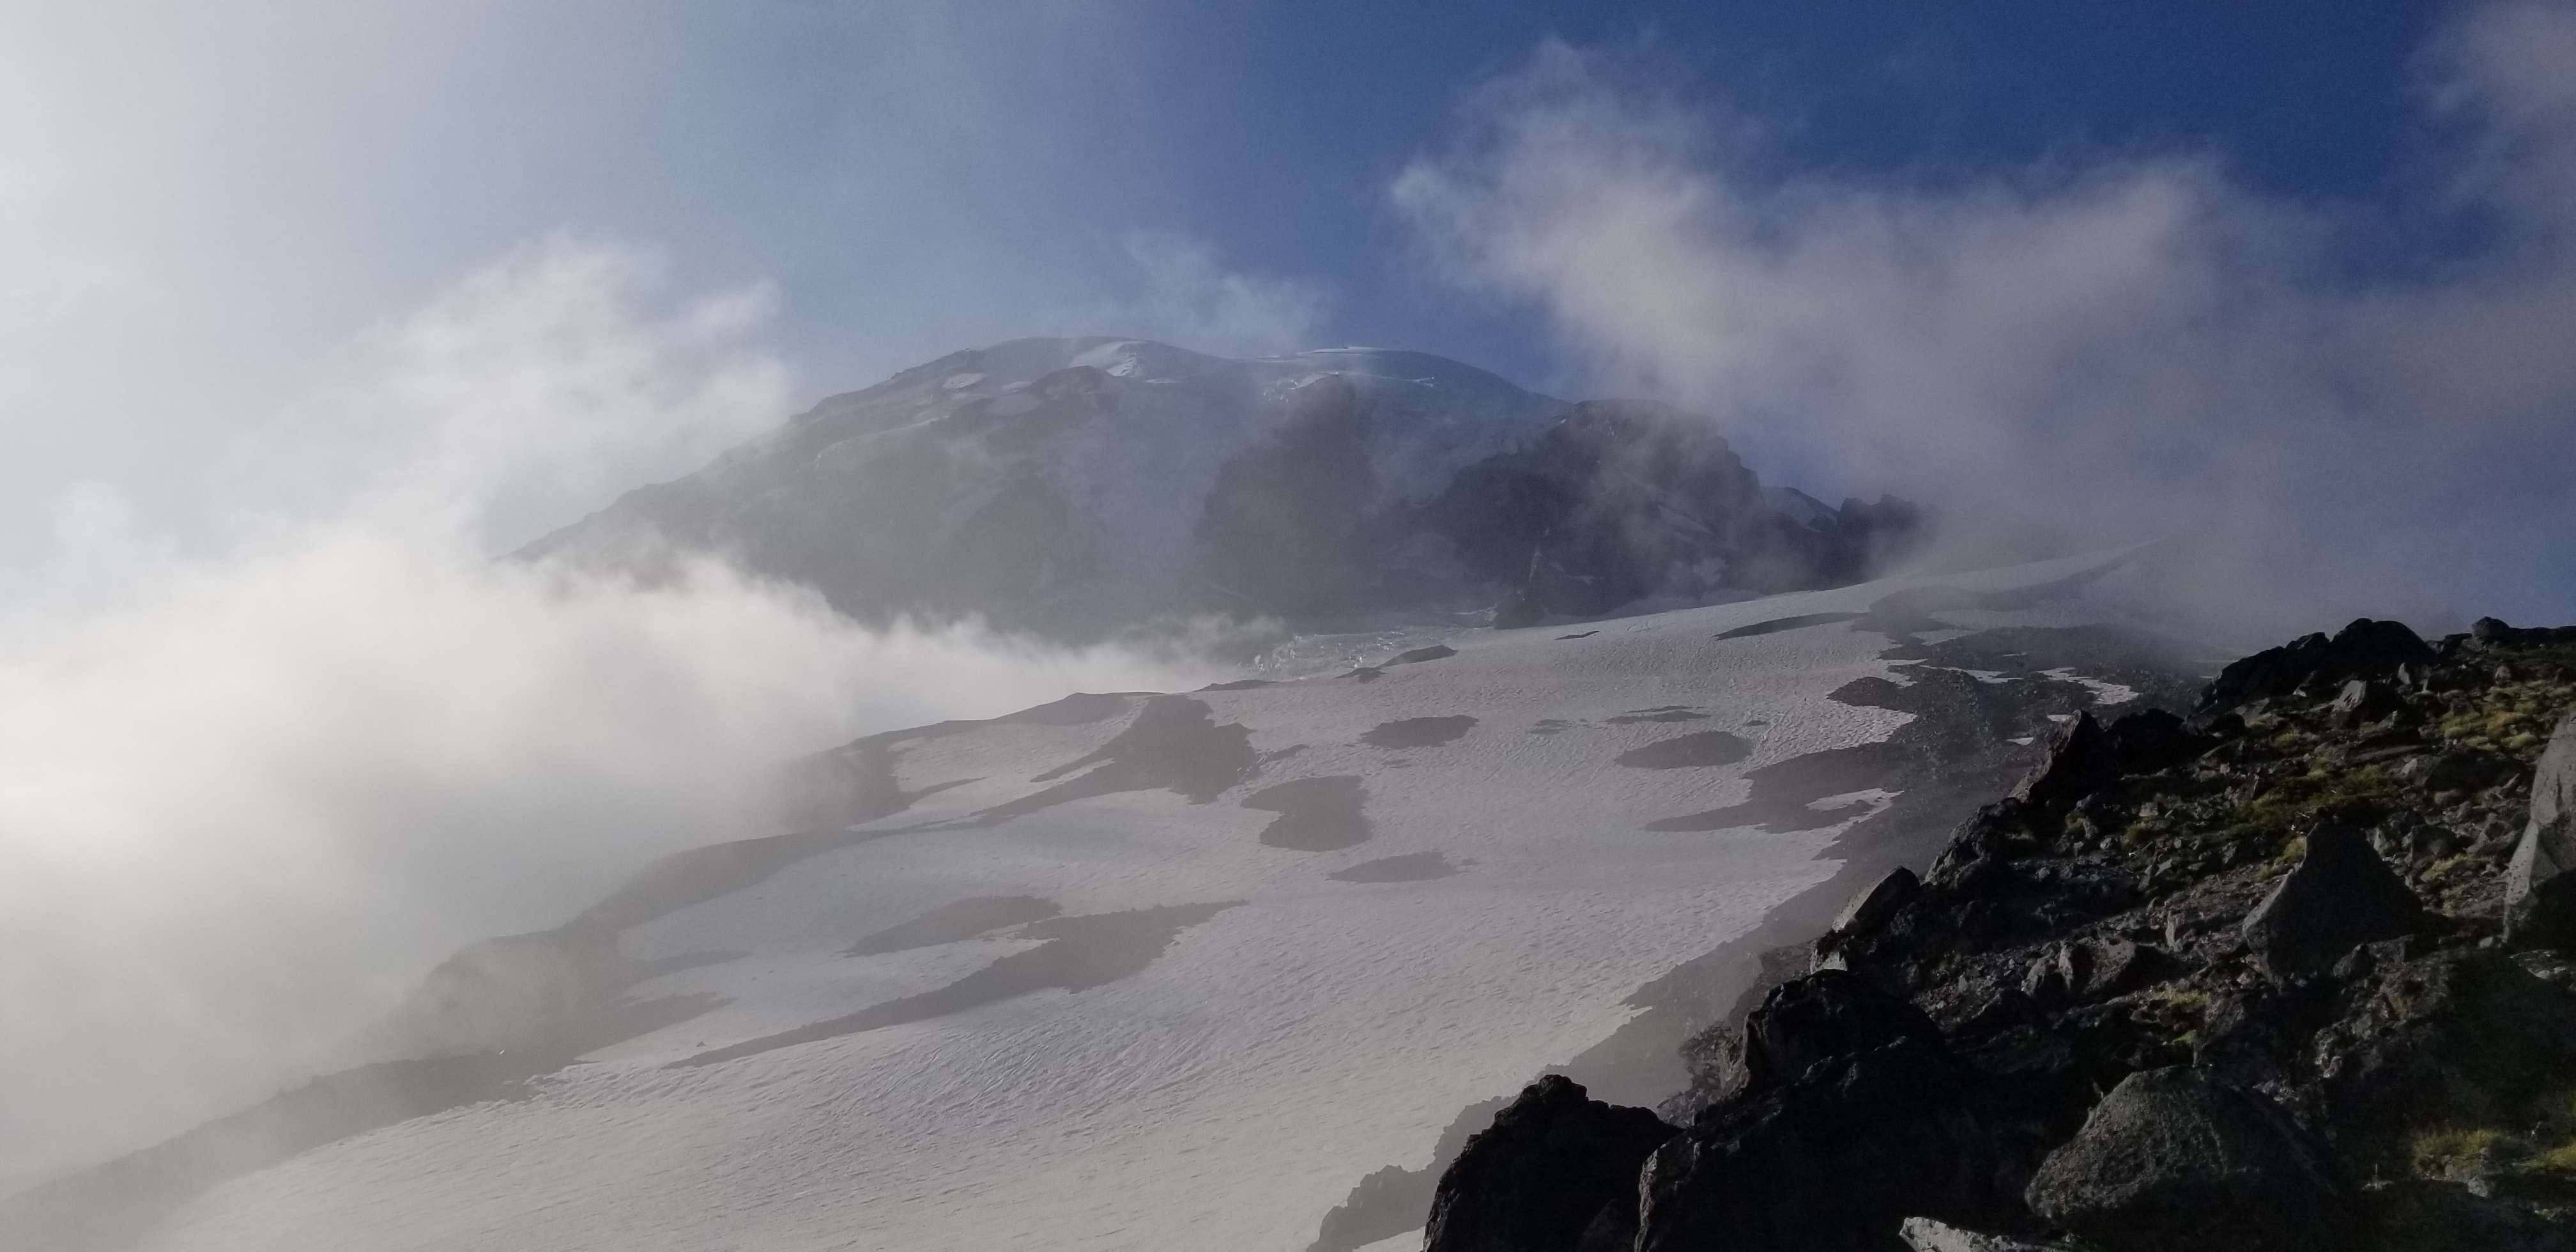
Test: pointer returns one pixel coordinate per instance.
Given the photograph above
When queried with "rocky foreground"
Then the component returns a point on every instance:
(2288, 973)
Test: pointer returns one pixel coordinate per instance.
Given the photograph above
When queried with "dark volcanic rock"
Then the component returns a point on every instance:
(1824, 1016)
(2364, 649)
(2174, 1159)
(2340, 897)
(1832, 1163)
(2540, 894)
(2152, 739)
(1938, 1081)
(1536, 1180)
(1870, 909)
(2079, 762)
(2450, 1037)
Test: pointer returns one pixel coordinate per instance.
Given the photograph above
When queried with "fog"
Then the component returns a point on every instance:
(263, 775)
(2108, 346)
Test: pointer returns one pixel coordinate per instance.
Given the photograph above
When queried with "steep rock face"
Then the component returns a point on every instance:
(1076, 487)
(1541, 1177)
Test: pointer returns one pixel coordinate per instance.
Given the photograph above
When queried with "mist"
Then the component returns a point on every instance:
(2102, 348)
(265, 774)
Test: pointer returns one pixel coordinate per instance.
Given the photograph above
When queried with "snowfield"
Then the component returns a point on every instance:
(1187, 993)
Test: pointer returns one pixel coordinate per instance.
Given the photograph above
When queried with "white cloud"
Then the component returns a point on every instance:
(2121, 348)
(1180, 291)
(257, 784)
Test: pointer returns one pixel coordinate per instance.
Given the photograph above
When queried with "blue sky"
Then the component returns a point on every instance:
(202, 213)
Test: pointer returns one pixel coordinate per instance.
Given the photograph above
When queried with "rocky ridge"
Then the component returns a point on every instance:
(2287, 972)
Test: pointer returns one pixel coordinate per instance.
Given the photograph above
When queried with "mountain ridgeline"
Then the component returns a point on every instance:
(1074, 488)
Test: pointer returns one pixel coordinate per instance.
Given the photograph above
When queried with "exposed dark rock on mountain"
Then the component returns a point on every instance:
(2364, 649)
(2279, 944)
(2340, 897)
(1624, 499)
(1540, 1178)
(2174, 1158)
(1078, 487)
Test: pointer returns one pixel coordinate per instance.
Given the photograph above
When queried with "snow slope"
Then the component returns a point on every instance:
(1193, 1014)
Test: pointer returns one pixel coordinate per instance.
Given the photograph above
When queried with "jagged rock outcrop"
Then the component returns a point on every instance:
(2340, 897)
(2365, 649)
(2295, 941)
(1544, 1173)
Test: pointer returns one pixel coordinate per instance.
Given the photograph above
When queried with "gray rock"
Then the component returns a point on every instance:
(2175, 1159)
(1870, 909)
(2463, 769)
(2540, 894)
(2363, 701)
(1923, 1234)
(2340, 897)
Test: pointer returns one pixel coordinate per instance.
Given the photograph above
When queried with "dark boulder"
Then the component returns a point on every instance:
(1833, 1163)
(2080, 761)
(2175, 1159)
(1538, 1177)
(2540, 893)
(2364, 649)
(1870, 909)
(2467, 1037)
(2340, 897)
(1828, 1015)
(2152, 739)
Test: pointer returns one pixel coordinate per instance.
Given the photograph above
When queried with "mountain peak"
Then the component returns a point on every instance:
(1074, 487)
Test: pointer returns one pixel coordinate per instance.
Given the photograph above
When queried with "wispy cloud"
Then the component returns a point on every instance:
(258, 783)
(2109, 347)
(1179, 289)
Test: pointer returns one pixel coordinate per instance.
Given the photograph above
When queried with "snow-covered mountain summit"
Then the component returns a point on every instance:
(1074, 487)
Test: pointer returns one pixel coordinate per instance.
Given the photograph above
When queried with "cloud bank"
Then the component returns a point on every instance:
(259, 782)
(2108, 348)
